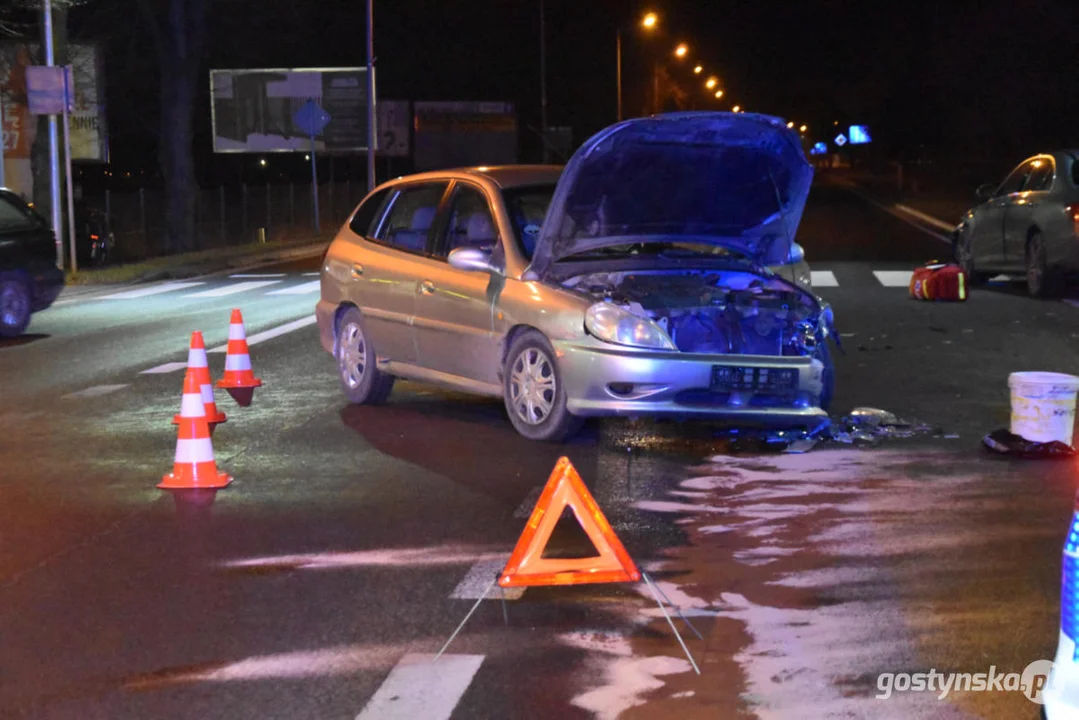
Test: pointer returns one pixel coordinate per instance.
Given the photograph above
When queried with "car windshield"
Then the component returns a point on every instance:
(658, 248)
(527, 207)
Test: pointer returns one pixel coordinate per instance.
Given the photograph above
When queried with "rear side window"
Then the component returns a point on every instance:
(411, 216)
(363, 222)
(14, 218)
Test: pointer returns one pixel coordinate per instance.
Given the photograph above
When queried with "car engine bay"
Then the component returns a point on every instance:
(719, 312)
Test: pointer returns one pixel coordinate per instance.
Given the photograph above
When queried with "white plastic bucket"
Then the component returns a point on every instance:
(1043, 405)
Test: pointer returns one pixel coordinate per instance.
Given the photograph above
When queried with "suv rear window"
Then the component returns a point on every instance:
(363, 221)
(15, 215)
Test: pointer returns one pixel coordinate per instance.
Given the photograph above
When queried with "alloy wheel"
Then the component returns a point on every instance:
(533, 386)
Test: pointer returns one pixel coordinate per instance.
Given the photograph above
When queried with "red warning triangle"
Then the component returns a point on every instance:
(528, 567)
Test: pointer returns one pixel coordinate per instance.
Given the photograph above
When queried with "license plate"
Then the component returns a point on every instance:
(727, 377)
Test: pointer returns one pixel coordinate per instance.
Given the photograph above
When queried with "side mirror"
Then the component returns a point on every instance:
(986, 191)
(798, 254)
(471, 258)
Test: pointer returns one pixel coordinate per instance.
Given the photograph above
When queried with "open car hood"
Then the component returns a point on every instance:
(734, 181)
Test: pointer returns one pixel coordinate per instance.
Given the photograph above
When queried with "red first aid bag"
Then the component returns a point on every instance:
(939, 281)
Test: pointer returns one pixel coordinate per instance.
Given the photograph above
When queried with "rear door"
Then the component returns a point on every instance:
(454, 308)
(386, 268)
(1019, 213)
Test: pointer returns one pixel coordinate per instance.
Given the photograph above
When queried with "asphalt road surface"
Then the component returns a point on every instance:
(353, 540)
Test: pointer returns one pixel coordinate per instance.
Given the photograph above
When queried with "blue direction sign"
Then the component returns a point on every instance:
(47, 89)
(840, 139)
(311, 118)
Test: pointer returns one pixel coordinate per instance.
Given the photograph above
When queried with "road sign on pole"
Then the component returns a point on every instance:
(312, 119)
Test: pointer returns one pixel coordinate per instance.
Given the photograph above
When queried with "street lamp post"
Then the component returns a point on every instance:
(370, 96)
(543, 81)
(648, 22)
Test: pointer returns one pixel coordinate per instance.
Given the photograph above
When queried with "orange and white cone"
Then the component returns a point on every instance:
(238, 379)
(196, 361)
(194, 466)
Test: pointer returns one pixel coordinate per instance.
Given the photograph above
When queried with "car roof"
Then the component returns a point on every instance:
(504, 176)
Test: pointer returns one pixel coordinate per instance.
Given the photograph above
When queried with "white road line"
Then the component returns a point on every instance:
(479, 579)
(894, 278)
(233, 289)
(166, 368)
(823, 278)
(897, 214)
(525, 508)
(421, 687)
(148, 291)
(925, 218)
(314, 274)
(259, 275)
(301, 289)
(271, 333)
(95, 391)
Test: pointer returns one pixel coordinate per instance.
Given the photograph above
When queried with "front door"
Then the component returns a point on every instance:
(454, 308)
(386, 271)
(988, 245)
(1019, 214)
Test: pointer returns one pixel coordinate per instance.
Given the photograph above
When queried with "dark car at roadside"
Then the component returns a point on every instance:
(29, 278)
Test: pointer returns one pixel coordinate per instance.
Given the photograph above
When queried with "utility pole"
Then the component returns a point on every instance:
(54, 149)
(618, 52)
(370, 96)
(543, 81)
(2, 181)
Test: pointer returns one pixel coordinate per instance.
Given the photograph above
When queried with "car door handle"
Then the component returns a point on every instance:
(357, 271)
(426, 287)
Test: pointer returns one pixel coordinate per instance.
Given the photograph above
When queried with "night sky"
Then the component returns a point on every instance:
(944, 79)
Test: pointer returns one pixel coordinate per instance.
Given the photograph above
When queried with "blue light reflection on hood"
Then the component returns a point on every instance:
(738, 181)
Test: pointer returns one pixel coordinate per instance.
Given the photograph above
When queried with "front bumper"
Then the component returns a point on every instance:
(601, 379)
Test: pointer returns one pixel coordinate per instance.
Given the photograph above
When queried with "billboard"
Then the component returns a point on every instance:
(252, 111)
(89, 136)
(453, 134)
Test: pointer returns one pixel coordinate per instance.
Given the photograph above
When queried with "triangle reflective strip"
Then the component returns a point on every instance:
(528, 567)
(962, 285)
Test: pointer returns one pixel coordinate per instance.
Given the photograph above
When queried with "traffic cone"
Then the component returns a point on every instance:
(238, 379)
(196, 361)
(1061, 691)
(194, 466)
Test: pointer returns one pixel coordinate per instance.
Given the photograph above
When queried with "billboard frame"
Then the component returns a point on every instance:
(362, 69)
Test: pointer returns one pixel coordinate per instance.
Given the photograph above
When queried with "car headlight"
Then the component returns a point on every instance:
(612, 324)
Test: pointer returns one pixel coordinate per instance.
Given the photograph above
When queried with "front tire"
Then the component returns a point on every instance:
(361, 380)
(964, 257)
(1042, 281)
(15, 305)
(534, 393)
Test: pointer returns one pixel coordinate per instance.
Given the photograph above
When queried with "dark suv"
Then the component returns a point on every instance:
(29, 278)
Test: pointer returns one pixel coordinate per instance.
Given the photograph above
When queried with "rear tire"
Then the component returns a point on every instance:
(15, 305)
(534, 393)
(357, 368)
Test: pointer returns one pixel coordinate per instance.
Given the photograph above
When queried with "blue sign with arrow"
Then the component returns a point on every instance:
(311, 118)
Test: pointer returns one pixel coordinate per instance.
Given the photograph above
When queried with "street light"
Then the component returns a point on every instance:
(648, 22)
(711, 83)
(736, 108)
(719, 94)
(803, 128)
(681, 50)
(790, 124)
(698, 70)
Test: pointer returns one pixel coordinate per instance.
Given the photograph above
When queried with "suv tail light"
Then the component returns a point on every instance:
(1073, 213)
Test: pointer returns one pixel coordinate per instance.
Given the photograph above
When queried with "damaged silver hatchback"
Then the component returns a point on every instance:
(656, 278)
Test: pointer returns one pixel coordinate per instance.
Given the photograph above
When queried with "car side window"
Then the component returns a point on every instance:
(13, 218)
(411, 215)
(1041, 177)
(363, 221)
(1014, 183)
(471, 223)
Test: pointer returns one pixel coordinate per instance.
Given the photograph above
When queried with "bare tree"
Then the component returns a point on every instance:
(179, 31)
